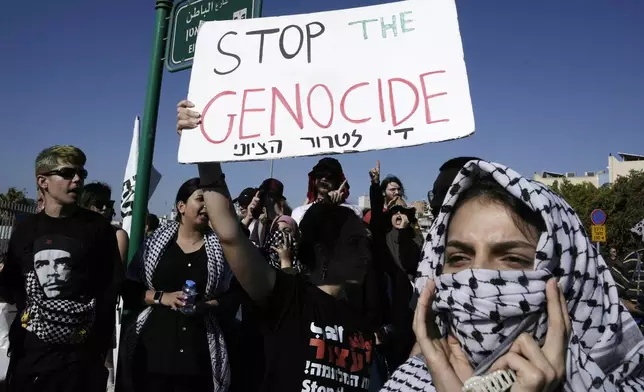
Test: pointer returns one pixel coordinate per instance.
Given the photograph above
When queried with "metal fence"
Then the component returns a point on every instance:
(10, 213)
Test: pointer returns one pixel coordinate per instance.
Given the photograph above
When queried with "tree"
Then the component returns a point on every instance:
(623, 203)
(14, 195)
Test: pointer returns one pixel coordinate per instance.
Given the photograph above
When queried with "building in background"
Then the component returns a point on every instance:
(364, 202)
(422, 208)
(549, 178)
(615, 169)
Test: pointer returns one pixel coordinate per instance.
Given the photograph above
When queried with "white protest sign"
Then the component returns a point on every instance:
(360, 79)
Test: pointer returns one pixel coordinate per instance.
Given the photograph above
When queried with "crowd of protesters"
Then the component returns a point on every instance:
(506, 290)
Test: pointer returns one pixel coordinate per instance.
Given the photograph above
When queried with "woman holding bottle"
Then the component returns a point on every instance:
(174, 345)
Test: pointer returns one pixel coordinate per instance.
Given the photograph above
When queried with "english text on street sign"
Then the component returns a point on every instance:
(598, 217)
(598, 233)
(371, 78)
(188, 15)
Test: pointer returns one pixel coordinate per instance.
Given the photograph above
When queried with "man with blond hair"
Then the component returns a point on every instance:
(60, 269)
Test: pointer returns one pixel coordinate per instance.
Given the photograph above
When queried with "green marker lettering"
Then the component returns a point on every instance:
(364, 26)
(391, 26)
(404, 21)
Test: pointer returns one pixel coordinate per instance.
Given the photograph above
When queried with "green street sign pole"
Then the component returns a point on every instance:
(149, 125)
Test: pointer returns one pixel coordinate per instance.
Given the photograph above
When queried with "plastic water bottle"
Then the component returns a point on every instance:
(189, 292)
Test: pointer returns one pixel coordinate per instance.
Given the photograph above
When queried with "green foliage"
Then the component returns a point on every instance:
(623, 203)
(14, 195)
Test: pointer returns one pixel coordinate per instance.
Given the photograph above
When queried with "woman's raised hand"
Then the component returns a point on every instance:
(444, 357)
(541, 368)
(186, 117)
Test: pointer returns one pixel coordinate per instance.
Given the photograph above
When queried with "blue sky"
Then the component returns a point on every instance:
(556, 85)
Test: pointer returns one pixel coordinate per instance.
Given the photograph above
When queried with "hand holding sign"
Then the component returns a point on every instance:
(375, 173)
(336, 197)
(263, 88)
(186, 118)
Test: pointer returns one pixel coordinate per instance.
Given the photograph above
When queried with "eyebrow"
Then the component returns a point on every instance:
(497, 247)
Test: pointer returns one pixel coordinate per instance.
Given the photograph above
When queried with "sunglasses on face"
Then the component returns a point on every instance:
(105, 205)
(68, 173)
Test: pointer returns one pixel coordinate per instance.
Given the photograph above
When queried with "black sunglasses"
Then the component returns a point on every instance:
(103, 205)
(68, 173)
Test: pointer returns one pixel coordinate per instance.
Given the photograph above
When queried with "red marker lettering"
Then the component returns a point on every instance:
(299, 119)
(394, 118)
(308, 104)
(243, 113)
(426, 98)
(343, 101)
(205, 113)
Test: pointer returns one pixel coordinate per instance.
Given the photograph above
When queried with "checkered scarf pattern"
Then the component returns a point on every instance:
(57, 321)
(276, 240)
(482, 307)
(638, 230)
(218, 279)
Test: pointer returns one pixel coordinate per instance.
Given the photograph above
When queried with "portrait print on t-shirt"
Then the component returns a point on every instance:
(53, 264)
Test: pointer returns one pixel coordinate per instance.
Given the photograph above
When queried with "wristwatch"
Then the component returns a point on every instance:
(157, 297)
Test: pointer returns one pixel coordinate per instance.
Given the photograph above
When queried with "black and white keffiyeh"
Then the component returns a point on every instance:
(484, 308)
(57, 321)
(638, 230)
(219, 275)
(276, 240)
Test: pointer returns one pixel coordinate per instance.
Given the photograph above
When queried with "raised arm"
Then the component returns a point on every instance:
(252, 271)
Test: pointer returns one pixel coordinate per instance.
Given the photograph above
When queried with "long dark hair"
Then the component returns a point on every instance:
(388, 180)
(185, 191)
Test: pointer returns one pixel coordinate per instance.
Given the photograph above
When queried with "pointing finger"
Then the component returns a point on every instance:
(344, 184)
(378, 165)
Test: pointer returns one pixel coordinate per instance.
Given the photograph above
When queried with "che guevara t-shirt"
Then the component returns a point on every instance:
(67, 259)
(313, 342)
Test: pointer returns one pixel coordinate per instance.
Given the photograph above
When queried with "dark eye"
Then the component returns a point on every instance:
(519, 262)
(41, 263)
(454, 259)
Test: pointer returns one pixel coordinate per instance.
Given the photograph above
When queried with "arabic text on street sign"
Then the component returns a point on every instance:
(187, 17)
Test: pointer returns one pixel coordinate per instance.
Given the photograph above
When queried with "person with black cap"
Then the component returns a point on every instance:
(447, 173)
(243, 201)
(326, 183)
(315, 340)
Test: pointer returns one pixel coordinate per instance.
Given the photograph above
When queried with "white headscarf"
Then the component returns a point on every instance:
(485, 307)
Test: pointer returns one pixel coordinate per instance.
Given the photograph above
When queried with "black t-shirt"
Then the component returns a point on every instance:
(73, 259)
(314, 341)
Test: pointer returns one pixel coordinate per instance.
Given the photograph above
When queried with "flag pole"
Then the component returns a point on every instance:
(149, 123)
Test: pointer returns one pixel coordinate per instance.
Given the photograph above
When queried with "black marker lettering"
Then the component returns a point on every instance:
(310, 36)
(227, 54)
(299, 47)
(261, 33)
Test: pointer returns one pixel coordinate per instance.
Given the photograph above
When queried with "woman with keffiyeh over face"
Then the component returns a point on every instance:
(514, 293)
(166, 349)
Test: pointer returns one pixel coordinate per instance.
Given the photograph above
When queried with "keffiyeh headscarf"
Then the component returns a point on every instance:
(487, 309)
(219, 276)
(276, 240)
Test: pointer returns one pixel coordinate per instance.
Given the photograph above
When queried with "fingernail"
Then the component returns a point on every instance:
(560, 286)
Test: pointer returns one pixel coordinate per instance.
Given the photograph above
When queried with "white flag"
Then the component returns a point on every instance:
(127, 206)
(129, 181)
